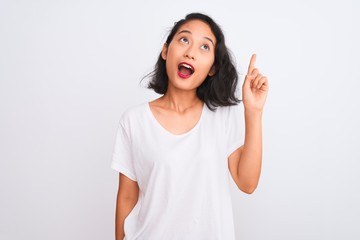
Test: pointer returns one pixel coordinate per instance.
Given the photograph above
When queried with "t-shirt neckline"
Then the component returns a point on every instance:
(163, 129)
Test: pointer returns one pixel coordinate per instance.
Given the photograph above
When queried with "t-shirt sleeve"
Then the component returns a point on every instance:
(122, 160)
(235, 128)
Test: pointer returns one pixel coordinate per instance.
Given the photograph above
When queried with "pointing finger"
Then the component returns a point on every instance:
(252, 63)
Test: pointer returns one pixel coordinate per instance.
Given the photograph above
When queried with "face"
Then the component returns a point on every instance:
(190, 55)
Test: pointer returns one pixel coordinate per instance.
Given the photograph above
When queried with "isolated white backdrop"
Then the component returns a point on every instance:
(69, 68)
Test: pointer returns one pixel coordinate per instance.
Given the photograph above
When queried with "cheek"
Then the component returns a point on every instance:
(211, 59)
(209, 64)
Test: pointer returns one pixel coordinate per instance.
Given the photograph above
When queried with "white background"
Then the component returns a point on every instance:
(69, 68)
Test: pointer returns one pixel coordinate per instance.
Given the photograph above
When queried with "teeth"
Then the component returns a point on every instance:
(187, 66)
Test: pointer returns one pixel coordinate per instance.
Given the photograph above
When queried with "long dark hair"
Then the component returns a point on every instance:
(217, 90)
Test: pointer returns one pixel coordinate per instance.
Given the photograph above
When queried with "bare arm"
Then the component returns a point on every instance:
(127, 198)
(245, 162)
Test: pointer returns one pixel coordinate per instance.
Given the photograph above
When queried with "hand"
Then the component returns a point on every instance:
(255, 88)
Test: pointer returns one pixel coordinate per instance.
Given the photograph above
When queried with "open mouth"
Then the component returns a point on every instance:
(185, 70)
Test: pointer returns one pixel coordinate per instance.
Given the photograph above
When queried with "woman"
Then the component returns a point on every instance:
(175, 155)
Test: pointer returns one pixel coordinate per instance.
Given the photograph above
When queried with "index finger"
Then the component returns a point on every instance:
(252, 63)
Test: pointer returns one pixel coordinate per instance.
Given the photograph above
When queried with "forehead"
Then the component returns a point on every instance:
(199, 28)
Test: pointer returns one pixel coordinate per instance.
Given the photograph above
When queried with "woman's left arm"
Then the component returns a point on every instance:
(245, 162)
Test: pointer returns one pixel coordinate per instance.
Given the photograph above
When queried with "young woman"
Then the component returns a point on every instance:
(177, 154)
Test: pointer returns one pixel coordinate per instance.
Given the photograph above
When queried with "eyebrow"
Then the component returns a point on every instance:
(187, 31)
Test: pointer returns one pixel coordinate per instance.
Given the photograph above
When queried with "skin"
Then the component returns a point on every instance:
(179, 109)
(245, 162)
(127, 197)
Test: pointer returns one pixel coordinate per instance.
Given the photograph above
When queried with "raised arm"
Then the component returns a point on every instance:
(245, 162)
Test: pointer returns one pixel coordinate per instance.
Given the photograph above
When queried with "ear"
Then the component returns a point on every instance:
(212, 71)
(164, 51)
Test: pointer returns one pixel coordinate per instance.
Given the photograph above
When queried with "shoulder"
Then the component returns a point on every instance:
(225, 116)
(134, 113)
(229, 111)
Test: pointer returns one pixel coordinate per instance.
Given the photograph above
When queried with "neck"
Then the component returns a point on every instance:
(180, 100)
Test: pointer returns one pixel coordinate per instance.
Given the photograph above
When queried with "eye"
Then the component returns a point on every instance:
(184, 40)
(205, 47)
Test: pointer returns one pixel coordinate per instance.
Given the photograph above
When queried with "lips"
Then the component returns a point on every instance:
(185, 70)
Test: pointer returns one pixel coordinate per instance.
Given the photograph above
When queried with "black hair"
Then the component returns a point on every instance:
(217, 90)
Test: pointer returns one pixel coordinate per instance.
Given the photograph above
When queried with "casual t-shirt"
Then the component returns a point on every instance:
(184, 179)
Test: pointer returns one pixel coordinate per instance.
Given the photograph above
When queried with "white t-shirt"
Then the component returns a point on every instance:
(184, 179)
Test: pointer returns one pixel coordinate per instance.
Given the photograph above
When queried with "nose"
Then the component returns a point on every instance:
(190, 53)
(189, 56)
